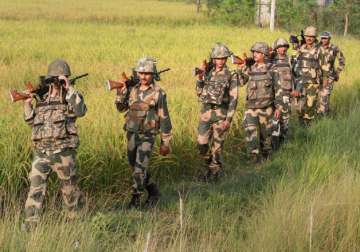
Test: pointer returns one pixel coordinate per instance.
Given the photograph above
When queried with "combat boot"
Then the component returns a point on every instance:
(153, 195)
(135, 201)
(254, 158)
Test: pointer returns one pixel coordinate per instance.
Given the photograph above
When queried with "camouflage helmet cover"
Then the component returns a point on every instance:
(280, 42)
(260, 47)
(310, 31)
(146, 65)
(220, 51)
(59, 67)
(325, 34)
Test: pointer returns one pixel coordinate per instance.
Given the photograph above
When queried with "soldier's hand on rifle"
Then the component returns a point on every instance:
(277, 114)
(66, 81)
(164, 150)
(225, 125)
(295, 93)
(326, 83)
(30, 99)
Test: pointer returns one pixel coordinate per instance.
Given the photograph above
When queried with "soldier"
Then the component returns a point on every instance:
(284, 83)
(307, 76)
(55, 141)
(147, 114)
(217, 89)
(328, 54)
(260, 101)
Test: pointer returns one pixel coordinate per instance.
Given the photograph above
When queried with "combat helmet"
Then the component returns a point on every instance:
(325, 34)
(220, 51)
(261, 47)
(310, 31)
(280, 42)
(146, 65)
(59, 67)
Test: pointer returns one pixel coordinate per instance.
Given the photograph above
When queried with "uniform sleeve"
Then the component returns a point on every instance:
(122, 99)
(164, 119)
(199, 87)
(76, 100)
(233, 94)
(341, 60)
(278, 102)
(29, 113)
(243, 75)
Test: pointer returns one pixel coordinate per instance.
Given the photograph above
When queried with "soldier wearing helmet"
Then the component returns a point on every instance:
(55, 140)
(259, 105)
(330, 73)
(283, 85)
(147, 115)
(308, 74)
(217, 89)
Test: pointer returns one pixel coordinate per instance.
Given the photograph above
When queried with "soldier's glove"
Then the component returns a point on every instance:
(164, 150)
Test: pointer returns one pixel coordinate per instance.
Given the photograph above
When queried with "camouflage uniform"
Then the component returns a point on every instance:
(218, 94)
(307, 73)
(328, 56)
(146, 115)
(259, 106)
(55, 139)
(283, 85)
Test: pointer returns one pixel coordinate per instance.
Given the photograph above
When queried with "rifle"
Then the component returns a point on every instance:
(41, 89)
(205, 68)
(294, 40)
(132, 81)
(248, 61)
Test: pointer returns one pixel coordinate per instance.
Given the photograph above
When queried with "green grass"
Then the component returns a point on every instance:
(262, 208)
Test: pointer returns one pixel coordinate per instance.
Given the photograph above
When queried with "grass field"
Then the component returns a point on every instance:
(305, 197)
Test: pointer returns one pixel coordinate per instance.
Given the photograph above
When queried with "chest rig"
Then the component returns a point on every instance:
(216, 88)
(142, 115)
(284, 70)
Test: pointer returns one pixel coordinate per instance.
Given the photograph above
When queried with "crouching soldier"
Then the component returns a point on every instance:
(217, 89)
(55, 141)
(259, 106)
(281, 66)
(146, 114)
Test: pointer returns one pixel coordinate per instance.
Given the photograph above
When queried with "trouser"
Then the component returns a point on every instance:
(285, 116)
(309, 112)
(324, 99)
(211, 133)
(139, 148)
(258, 130)
(63, 164)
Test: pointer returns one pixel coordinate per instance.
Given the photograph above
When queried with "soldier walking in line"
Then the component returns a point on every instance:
(281, 66)
(55, 140)
(260, 102)
(328, 55)
(217, 89)
(308, 74)
(146, 115)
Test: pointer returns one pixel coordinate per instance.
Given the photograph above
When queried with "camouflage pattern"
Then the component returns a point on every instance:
(284, 85)
(146, 65)
(258, 129)
(261, 47)
(218, 94)
(220, 51)
(63, 164)
(55, 139)
(310, 31)
(146, 115)
(280, 42)
(328, 57)
(260, 100)
(59, 67)
(53, 121)
(308, 74)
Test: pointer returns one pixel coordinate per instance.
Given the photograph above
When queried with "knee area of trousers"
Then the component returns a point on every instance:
(203, 149)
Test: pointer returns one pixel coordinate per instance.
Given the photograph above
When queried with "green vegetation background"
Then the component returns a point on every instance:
(305, 197)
